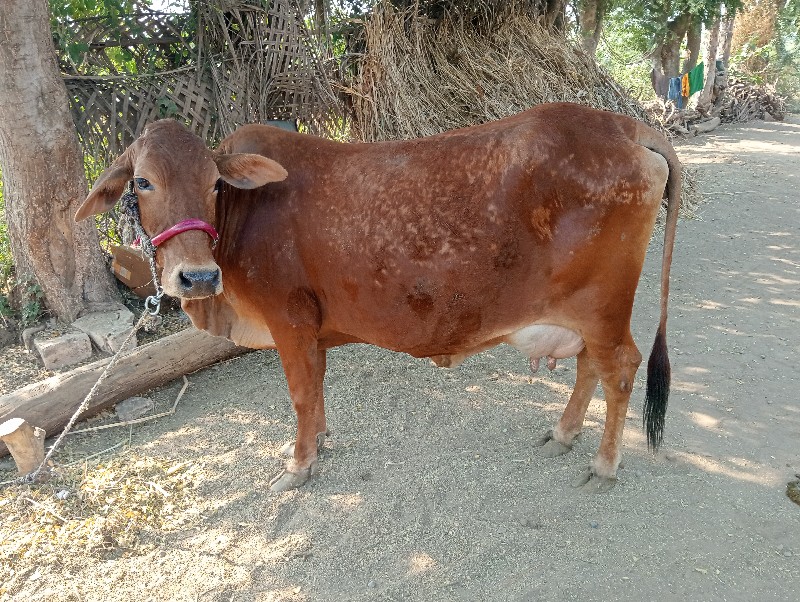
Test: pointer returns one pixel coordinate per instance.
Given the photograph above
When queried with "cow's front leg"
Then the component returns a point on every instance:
(304, 366)
(618, 369)
(559, 440)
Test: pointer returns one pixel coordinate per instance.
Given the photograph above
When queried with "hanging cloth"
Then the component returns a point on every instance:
(696, 77)
(685, 85)
(674, 88)
(674, 91)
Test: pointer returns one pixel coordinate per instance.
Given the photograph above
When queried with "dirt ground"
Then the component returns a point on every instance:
(430, 488)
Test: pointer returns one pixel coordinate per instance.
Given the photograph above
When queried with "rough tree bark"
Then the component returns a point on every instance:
(42, 168)
(710, 55)
(726, 37)
(671, 48)
(554, 14)
(694, 34)
(591, 13)
(667, 57)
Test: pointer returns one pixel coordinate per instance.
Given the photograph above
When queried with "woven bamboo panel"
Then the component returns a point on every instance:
(243, 63)
(110, 114)
(151, 40)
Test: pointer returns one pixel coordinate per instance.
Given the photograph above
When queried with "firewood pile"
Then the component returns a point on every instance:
(680, 122)
(745, 101)
(739, 102)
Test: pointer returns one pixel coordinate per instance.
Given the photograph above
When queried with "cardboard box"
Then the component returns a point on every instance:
(132, 268)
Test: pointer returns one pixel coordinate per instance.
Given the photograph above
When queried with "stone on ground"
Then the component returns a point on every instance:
(64, 350)
(108, 329)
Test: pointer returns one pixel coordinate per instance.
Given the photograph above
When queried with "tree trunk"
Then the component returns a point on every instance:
(671, 48)
(710, 56)
(554, 14)
(49, 404)
(667, 56)
(591, 24)
(694, 35)
(726, 34)
(42, 166)
(723, 51)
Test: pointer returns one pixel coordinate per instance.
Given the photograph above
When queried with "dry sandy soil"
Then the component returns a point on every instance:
(430, 488)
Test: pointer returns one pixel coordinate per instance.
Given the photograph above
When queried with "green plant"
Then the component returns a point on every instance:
(6, 263)
(624, 52)
(32, 308)
(5, 307)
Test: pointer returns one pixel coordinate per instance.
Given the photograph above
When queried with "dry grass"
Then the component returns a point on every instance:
(419, 77)
(100, 508)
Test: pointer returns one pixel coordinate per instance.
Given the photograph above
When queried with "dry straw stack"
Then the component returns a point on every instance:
(420, 76)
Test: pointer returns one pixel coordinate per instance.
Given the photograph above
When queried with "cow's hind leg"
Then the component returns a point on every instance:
(304, 366)
(617, 367)
(560, 439)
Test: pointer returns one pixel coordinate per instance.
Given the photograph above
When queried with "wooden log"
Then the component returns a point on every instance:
(51, 402)
(706, 126)
(25, 442)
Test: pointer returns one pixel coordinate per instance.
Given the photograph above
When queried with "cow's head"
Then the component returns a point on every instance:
(176, 178)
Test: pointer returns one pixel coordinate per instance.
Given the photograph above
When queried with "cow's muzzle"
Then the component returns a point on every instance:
(199, 283)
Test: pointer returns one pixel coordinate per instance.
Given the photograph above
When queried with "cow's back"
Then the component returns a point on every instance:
(435, 245)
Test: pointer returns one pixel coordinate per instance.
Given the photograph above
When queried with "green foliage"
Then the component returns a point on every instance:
(5, 308)
(6, 263)
(80, 9)
(774, 61)
(166, 107)
(623, 51)
(787, 51)
(32, 307)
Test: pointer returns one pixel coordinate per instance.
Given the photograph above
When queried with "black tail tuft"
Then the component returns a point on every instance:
(655, 402)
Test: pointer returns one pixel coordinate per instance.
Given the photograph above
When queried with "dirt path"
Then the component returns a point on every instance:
(430, 489)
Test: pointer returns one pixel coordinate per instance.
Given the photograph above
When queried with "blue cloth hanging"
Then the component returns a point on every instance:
(674, 91)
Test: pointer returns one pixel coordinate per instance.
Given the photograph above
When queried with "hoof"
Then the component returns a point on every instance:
(553, 449)
(550, 447)
(589, 482)
(291, 480)
(287, 449)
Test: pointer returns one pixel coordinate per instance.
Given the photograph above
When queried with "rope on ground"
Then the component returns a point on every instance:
(35, 476)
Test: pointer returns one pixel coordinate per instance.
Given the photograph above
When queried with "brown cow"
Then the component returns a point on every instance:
(531, 230)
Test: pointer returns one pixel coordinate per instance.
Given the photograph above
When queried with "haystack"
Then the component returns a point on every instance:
(419, 76)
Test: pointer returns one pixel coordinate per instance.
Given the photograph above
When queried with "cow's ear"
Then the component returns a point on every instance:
(245, 170)
(107, 189)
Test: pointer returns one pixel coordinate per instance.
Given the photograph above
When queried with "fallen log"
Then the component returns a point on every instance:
(703, 127)
(49, 404)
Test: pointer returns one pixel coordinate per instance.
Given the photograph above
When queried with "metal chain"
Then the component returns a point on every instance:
(129, 203)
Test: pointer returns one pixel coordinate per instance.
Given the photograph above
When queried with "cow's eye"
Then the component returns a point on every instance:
(143, 184)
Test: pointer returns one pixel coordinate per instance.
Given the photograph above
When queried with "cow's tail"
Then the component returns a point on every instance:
(658, 368)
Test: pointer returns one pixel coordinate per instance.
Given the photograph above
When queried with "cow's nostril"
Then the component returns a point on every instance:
(185, 280)
(198, 280)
